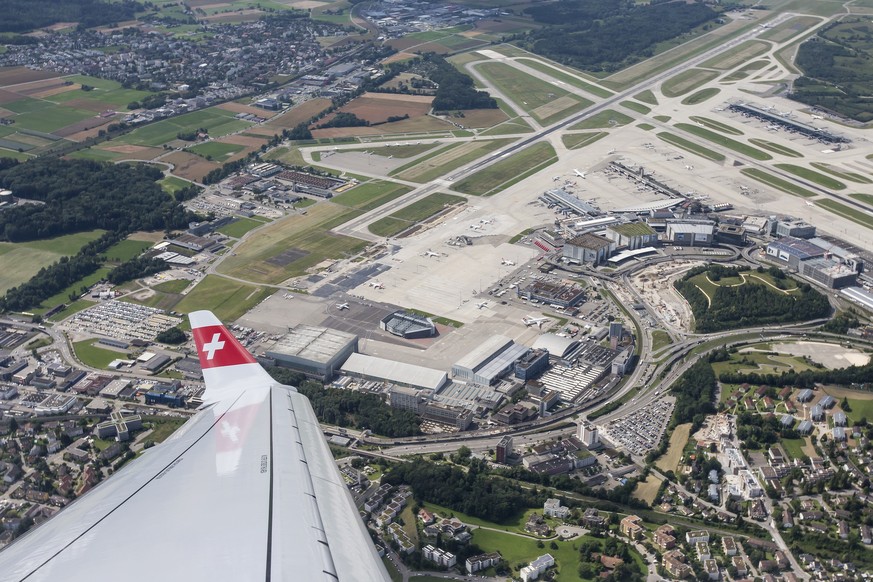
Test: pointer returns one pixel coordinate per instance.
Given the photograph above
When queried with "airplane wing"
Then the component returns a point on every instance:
(246, 490)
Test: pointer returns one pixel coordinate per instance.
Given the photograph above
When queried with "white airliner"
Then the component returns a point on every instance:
(376, 284)
(507, 262)
(430, 253)
(246, 490)
(342, 306)
(581, 174)
(482, 305)
(538, 321)
(809, 203)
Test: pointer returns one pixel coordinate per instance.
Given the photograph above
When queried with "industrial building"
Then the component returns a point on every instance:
(557, 346)
(317, 352)
(532, 365)
(489, 361)
(792, 251)
(408, 325)
(633, 235)
(831, 274)
(589, 249)
(731, 234)
(406, 398)
(795, 228)
(691, 234)
(561, 294)
(398, 373)
(860, 296)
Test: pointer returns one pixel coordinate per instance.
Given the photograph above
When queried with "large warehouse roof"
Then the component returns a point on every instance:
(394, 372)
(479, 355)
(316, 344)
(554, 344)
(859, 295)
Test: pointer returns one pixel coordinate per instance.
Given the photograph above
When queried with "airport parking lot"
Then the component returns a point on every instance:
(641, 430)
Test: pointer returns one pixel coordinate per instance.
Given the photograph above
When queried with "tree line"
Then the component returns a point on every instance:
(694, 391)
(862, 376)
(455, 90)
(80, 195)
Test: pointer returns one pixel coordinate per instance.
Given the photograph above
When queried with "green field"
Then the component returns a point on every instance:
(437, 163)
(163, 427)
(228, 299)
(94, 356)
(71, 308)
(778, 183)
(175, 286)
(45, 116)
(63, 296)
(508, 171)
(370, 195)
(701, 96)
(95, 154)
(686, 81)
(866, 198)
(555, 72)
(723, 141)
(530, 93)
(850, 176)
(691, 146)
(604, 120)
(239, 227)
(647, 97)
(575, 141)
(646, 126)
(775, 147)
(104, 91)
(126, 250)
(853, 214)
(21, 261)
(812, 176)
(289, 246)
(216, 151)
(794, 447)
(415, 212)
(660, 339)
(638, 107)
(217, 121)
(716, 125)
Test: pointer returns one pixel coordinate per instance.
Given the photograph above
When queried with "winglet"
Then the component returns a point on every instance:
(227, 365)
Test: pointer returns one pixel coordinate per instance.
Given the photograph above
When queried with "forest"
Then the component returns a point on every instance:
(747, 305)
(837, 73)
(350, 408)
(455, 89)
(79, 195)
(136, 268)
(694, 391)
(584, 34)
(473, 492)
(27, 15)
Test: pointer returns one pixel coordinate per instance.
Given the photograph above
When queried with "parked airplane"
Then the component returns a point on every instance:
(486, 220)
(538, 321)
(507, 262)
(581, 174)
(476, 226)
(689, 167)
(808, 203)
(342, 306)
(610, 152)
(226, 487)
(430, 253)
(376, 284)
(482, 305)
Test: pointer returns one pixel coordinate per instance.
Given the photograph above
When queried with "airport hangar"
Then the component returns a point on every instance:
(315, 351)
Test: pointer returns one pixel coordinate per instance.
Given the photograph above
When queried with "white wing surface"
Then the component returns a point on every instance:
(246, 490)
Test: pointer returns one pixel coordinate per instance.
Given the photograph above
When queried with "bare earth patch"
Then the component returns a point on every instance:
(15, 75)
(829, 355)
(377, 107)
(299, 114)
(83, 127)
(190, 166)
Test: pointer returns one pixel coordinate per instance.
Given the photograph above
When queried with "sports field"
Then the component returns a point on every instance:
(227, 299)
(289, 246)
(21, 261)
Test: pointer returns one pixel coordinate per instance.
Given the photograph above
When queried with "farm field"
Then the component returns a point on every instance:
(298, 114)
(21, 261)
(217, 121)
(291, 245)
(508, 171)
(376, 108)
(228, 299)
(216, 151)
(416, 212)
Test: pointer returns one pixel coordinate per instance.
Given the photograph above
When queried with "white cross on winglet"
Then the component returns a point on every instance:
(213, 346)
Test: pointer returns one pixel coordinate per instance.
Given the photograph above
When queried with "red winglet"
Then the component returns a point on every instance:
(216, 346)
